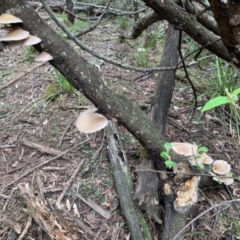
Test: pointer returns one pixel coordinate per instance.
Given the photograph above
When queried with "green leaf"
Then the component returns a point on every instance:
(203, 149)
(167, 145)
(170, 164)
(165, 155)
(235, 92)
(200, 166)
(215, 102)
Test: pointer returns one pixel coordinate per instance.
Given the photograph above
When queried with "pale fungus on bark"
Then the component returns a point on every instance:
(9, 19)
(15, 34)
(184, 148)
(204, 159)
(91, 121)
(221, 167)
(43, 57)
(226, 180)
(31, 40)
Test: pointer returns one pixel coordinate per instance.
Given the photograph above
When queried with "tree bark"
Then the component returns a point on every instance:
(227, 15)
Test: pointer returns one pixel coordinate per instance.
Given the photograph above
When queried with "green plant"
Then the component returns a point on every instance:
(231, 98)
(142, 57)
(165, 154)
(30, 52)
(123, 22)
(151, 40)
(61, 86)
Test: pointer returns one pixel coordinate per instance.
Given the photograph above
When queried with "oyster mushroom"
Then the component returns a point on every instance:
(184, 148)
(91, 121)
(43, 56)
(8, 19)
(221, 167)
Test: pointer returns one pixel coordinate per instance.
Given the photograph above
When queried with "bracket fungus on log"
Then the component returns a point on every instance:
(6, 18)
(15, 34)
(30, 41)
(43, 56)
(186, 149)
(91, 121)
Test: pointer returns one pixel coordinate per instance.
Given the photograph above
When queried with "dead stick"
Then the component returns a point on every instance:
(40, 165)
(20, 76)
(95, 207)
(68, 184)
(41, 148)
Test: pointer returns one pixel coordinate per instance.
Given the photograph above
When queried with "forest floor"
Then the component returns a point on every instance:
(32, 126)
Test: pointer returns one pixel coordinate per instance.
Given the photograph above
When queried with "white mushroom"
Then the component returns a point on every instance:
(186, 149)
(221, 167)
(228, 181)
(225, 180)
(43, 56)
(204, 159)
(8, 19)
(89, 121)
(15, 34)
(31, 40)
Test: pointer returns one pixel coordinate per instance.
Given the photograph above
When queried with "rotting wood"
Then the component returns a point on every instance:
(95, 207)
(43, 149)
(124, 186)
(47, 219)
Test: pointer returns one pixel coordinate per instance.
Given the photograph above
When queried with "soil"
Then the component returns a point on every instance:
(27, 115)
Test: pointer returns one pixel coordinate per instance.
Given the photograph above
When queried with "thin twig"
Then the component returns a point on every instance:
(69, 182)
(183, 173)
(96, 23)
(64, 132)
(25, 230)
(89, 50)
(41, 165)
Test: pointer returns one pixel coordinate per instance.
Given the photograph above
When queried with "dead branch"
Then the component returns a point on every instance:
(170, 11)
(49, 220)
(95, 207)
(123, 182)
(142, 25)
(69, 182)
(42, 148)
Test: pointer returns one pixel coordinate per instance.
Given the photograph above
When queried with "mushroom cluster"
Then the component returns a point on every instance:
(220, 168)
(15, 37)
(91, 121)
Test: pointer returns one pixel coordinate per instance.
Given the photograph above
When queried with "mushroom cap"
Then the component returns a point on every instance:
(15, 34)
(89, 121)
(184, 148)
(31, 40)
(43, 56)
(221, 167)
(204, 159)
(226, 181)
(8, 18)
